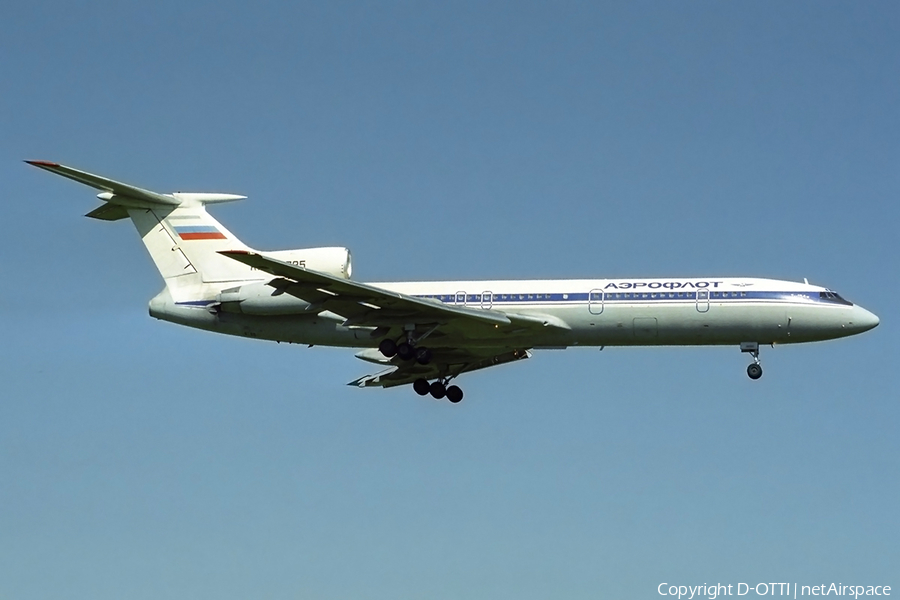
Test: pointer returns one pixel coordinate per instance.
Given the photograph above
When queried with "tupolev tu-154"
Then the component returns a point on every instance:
(427, 333)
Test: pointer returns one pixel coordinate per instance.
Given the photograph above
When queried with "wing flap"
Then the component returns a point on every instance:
(462, 362)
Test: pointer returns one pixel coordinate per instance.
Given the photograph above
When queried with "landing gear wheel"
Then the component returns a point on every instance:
(437, 390)
(388, 348)
(423, 356)
(422, 387)
(754, 371)
(405, 351)
(454, 394)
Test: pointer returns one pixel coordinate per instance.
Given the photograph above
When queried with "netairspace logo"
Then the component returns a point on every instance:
(770, 589)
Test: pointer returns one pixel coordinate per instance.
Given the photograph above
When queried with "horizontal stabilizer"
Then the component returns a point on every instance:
(109, 212)
(107, 185)
(206, 197)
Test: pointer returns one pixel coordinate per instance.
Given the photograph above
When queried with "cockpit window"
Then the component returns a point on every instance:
(833, 297)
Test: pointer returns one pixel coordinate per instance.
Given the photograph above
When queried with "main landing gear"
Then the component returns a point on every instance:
(438, 389)
(754, 371)
(405, 351)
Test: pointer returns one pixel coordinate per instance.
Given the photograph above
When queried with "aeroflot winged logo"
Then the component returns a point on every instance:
(199, 232)
(655, 285)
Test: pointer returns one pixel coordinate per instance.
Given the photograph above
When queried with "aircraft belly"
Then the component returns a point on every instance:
(308, 329)
(685, 325)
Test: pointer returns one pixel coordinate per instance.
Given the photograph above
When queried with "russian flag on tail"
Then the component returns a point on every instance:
(199, 232)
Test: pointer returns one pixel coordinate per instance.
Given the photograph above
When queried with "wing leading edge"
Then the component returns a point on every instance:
(362, 304)
(106, 185)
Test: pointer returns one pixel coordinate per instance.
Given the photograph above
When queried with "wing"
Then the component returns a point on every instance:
(366, 305)
(370, 306)
(470, 338)
(445, 363)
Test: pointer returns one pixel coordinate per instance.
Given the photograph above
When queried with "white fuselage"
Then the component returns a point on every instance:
(588, 312)
(427, 333)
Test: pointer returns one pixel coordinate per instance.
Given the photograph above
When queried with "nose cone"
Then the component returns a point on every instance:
(863, 320)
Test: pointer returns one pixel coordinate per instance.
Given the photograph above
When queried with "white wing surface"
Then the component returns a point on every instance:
(366, 305)
(462, 339)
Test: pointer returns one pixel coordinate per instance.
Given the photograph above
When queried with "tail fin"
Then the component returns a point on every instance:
(182, 238)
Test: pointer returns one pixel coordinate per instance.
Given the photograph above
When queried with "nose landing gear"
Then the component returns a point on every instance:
(754, 371)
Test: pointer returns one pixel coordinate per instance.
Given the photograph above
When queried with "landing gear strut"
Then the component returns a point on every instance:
(408, 349)
(754, 371)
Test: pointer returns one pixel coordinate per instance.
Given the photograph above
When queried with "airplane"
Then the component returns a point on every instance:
(427, 333)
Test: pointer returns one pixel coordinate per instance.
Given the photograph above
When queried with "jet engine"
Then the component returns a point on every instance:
(334, 261)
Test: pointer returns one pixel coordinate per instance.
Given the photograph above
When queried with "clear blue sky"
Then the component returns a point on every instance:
(448, 140)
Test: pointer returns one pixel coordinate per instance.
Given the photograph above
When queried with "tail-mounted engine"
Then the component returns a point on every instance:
(333, 261)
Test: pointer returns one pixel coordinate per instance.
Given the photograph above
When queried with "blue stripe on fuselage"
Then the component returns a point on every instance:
(633, 297)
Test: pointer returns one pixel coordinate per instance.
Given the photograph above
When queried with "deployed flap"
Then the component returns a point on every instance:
(362, 303)
(109, 212)
(454, 363)
(107, 185)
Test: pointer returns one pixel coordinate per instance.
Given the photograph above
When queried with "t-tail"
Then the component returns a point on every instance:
(194, 252)
(183, 239)
(203, 264)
